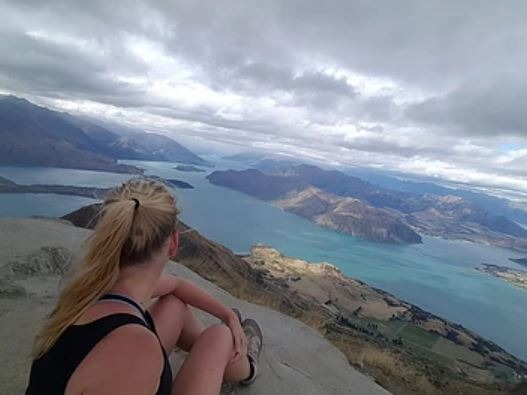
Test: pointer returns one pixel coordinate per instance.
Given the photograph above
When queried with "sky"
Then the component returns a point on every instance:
(430, 88)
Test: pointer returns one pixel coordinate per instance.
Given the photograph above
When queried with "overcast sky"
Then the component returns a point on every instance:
(436, 88)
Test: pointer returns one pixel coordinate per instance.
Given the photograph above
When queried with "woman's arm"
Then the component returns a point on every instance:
(192, 295)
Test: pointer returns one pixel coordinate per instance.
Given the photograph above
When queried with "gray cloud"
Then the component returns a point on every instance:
(484, 109)
(407, 84)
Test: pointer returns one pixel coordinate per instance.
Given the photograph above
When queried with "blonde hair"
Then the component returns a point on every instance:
(134, 222)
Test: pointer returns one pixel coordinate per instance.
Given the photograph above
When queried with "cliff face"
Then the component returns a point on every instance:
(35, 253)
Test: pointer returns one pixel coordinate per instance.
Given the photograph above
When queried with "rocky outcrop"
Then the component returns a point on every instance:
(348, 215)
(375, 330)
(295, 360)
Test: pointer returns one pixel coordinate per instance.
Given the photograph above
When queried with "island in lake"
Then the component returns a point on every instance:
(180, 184)
(190, 168)
(513, 276)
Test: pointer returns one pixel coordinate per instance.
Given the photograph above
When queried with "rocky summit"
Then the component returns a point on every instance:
(34, 255)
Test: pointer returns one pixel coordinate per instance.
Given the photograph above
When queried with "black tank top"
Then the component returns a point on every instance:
(51, 372)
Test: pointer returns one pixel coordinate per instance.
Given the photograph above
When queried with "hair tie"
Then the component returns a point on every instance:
(136, 203)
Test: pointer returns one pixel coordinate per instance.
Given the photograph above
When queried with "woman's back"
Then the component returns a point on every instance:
(83, 348)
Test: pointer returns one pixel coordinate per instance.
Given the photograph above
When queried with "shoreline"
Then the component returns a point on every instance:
(8, 186)
(515, 277)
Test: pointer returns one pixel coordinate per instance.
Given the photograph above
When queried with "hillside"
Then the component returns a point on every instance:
(34, 254)
(123, 143)
(348, 215)
(449, 217)
(34, 135)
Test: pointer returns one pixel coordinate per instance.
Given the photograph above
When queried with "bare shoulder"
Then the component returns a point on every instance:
(130, 362)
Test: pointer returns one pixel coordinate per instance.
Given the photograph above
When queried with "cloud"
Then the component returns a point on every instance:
(483, 109)
(426, 87)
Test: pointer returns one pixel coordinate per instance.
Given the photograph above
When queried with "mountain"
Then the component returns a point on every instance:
(348, 215)
(255, 183)
(265, 162)
(33, 135)
(444, 216)
(496, 205)
(133, 144)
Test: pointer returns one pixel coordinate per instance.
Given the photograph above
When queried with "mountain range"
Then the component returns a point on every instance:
(333, 199)
(34, 135)
(277, 164)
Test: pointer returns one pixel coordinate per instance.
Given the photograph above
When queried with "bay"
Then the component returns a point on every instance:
(438, 275)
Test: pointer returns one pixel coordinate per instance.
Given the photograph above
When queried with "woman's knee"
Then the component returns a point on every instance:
(173, 303)
(219, 336)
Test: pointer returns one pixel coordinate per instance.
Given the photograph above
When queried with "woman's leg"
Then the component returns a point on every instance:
(175, 324)
(202, 373)
(178, 327)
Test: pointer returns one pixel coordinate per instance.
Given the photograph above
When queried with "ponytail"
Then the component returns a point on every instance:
(128, 230)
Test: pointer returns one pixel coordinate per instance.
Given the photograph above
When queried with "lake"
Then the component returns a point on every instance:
(438, 275)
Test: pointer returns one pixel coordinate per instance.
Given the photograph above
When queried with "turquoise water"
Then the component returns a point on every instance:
(437, 275)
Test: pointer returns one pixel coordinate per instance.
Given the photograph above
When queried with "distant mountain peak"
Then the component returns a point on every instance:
(35, 135)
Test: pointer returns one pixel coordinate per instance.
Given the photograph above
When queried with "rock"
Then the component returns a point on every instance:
(296, 359)
(44, 261)
(9, 289)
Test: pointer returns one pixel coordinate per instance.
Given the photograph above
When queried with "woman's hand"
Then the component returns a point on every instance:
(240, 341)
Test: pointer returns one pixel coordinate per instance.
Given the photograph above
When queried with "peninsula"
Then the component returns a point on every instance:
(513, 276)
(8, 186)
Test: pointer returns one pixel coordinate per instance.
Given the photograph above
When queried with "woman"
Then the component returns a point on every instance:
(100, 339)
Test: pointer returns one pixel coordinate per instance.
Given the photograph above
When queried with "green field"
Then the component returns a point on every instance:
(418, 336)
